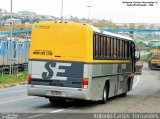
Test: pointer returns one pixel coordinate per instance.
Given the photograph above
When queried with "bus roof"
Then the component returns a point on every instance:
(95, 29)
(110, 33)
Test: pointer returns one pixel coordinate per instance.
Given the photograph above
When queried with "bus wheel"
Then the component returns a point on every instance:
(105, 95)
(149, 65)
(126, 90)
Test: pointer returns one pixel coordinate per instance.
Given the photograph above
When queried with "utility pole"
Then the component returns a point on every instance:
(89, 8)
(62, 11)
(10, 43)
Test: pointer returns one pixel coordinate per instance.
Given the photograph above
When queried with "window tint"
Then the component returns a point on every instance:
(107, 47)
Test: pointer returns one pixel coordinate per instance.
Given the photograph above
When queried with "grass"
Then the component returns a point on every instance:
(144, 58)
(14, 78)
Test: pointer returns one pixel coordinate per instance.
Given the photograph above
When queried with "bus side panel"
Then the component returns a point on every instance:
(97, 83)
(117, 74)
(96, 87)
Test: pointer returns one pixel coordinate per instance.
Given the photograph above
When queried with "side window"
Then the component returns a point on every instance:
(108, 47)
(125, 49)
(105, 46)
(99, 46)
(118, 48)
(128, 49)
(121, 49)
(115, 48)
(112, 47)
(132, 52)
(95, 47)
(102, 47)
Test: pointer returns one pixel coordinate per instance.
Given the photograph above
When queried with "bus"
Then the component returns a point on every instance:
(70, 60)
(154, 59)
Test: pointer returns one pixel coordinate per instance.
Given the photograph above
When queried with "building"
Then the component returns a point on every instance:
(13, 21)
(3, 13)
(46, 17)
(26, 14)
(0, 12)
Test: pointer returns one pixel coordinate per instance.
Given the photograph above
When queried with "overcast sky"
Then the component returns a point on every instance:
(113, 10)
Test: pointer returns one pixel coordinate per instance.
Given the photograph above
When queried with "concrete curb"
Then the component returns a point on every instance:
(12, 84)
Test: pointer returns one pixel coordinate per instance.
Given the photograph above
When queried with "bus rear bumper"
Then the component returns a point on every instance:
(46, 91)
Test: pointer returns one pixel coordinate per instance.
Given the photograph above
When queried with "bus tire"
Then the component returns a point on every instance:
(126, 89)
(105, 95)
(149, 65)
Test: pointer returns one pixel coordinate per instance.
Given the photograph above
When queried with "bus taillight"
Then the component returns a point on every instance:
(85, 82)
(29, 79)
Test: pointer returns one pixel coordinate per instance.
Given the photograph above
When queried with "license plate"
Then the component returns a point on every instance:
(56, 93)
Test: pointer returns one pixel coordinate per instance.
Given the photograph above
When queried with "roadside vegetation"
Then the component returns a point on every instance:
(144, 58)
(14, 78)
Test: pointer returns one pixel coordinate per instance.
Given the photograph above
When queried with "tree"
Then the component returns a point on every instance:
(141, 26)
(125, 26)
(132, 25)
(151, 26)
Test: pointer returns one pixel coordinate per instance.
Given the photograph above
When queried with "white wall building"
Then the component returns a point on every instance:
(26, 14)
(0, 12)
(13, 21)
(3, 13)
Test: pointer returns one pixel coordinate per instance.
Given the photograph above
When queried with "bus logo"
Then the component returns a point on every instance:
(55, 70)
(36, 26)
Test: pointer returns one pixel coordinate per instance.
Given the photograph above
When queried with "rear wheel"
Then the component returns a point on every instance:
(152, 67)
(105, 95)
(126, 90)
(149, 65)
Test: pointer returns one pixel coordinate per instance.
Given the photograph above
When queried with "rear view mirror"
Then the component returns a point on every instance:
(137, 55)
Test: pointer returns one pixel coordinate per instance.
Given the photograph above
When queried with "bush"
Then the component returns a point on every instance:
(14, 78)
(144, 58)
